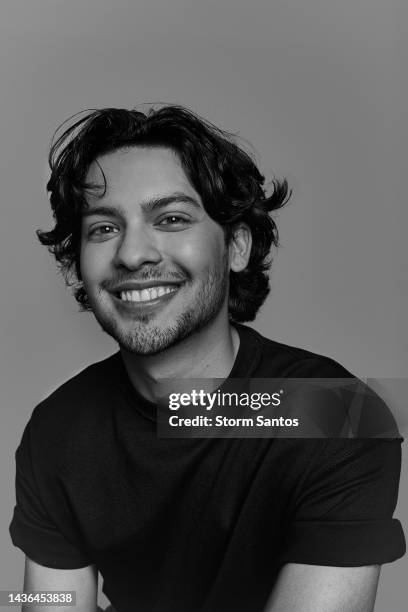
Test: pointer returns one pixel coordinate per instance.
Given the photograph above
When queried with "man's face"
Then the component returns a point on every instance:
(155, 266)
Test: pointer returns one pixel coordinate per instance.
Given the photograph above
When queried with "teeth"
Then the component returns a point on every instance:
(146, 294)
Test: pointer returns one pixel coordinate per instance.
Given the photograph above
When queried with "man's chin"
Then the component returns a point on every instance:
(146, 341)
(146, 348)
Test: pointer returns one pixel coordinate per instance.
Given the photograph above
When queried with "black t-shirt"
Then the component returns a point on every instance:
(197, 524)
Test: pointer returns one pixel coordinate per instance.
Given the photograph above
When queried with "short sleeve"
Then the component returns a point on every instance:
(32, 529)
(344, 509)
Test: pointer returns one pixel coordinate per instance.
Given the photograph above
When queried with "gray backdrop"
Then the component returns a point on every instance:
(319, 87)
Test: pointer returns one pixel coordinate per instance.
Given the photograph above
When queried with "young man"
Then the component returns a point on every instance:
(165, 223)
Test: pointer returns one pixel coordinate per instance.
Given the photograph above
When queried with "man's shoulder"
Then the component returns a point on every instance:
(281, 359)
(70, 427)
(369, 414)
(78, 396)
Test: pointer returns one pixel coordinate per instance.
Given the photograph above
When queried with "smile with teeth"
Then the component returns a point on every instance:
(145, 295)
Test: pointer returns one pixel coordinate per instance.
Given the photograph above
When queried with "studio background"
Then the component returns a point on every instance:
(319, 88)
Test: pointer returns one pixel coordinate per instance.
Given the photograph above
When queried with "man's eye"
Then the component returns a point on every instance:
(174, 220)
(102, 230)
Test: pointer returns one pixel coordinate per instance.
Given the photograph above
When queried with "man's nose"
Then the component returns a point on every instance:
(136, 248)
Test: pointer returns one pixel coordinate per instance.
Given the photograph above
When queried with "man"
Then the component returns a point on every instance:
(165, 223)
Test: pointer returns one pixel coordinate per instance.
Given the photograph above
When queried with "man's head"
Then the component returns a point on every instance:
(165, 197)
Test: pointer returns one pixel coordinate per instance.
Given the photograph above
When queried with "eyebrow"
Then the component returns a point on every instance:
(147, 205)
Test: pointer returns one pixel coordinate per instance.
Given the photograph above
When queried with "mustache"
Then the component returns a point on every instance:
(145, 275)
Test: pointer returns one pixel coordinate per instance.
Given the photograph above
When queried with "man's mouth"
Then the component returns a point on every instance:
(146, 295)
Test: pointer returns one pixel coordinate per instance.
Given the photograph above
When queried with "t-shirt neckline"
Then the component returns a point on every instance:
(246, 361)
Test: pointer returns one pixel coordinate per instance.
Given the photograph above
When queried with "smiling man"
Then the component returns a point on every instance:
(165, 225)
(155, 266)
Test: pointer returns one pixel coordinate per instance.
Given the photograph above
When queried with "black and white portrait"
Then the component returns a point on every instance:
(212, 193)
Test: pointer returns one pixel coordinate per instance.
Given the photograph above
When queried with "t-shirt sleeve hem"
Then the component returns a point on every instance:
(344, 543)
(46, 548)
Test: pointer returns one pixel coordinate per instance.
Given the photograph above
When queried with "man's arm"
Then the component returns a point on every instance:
(318, 588)
(83, 581)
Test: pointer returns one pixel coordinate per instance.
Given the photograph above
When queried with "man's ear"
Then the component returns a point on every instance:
(240, 247)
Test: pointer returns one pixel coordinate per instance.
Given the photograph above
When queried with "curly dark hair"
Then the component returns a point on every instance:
(223, 174)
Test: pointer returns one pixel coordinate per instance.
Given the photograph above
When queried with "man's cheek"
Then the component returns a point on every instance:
(94, 262)
(197, 254)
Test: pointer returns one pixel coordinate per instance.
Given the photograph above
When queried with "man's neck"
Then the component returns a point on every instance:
(209, 353)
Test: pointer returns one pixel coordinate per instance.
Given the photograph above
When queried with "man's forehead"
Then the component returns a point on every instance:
(141, 172)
